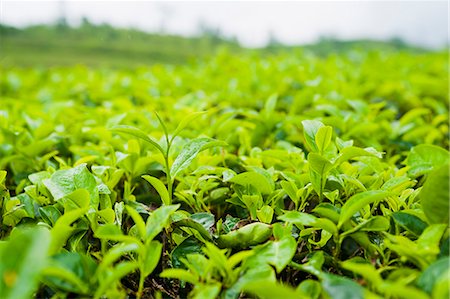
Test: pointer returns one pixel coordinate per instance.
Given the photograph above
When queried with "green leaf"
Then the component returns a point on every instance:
(265, 289)
(248, 235)
(189, 151)
(311, 288)
(179, 274)
(319, 164)
(206, 291)
(22, 258)
(195, 225)
(323, 138)
(313, 266)
(106, 215)
(339, 287)
(140, 224)
(63, 229)
(112, 232)
(188, 246)
(409, 222)
(310, 128)
(63, 182)
(305, 219)
(160, 188)
(319, 168)
(351, 152)
(114, 276)
(254, 179)
(430, 238)
(207, 220)
(435, 196)
(78, 199)
(431, 275)
(114, 253)
(277, 253)
(138, 134)
(186, 121)
(426, 157)
(364, 269)
(357, 202)
(265, 214)
(78, 270)
(151, 256)
(158, 220)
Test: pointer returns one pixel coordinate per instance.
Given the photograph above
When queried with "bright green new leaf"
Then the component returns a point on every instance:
(310, 128)
(140, 224)
(179, 274)
(323, 138)
(311, 288)
(189, 151)
(426, 157)
(338, 287)
(186, 121)
(158, 220)
(160, 188)
(151, 255)
(22, 258)
(251, 234)
(268, 290)
(254, 179)
(435, 195)
(129, 130)
(305, 219)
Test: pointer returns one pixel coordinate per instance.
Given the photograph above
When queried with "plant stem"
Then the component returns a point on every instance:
(141, 286)
(169, 177)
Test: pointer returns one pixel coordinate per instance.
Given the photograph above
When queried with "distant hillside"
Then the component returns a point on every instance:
(101, 45)
(106, 46)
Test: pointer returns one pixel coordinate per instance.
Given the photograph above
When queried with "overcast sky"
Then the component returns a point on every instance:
(420, 22)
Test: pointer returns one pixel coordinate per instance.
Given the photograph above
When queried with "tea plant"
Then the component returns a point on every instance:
(283, 176)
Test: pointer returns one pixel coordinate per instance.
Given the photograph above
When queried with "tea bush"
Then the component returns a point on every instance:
(282, 176)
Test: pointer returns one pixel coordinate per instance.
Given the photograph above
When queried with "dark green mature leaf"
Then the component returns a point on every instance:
(22, 258)
(435, 195)
(189, 151)
(71, 264)
(191, 223)
(435, 272)
(410, 222)
(188, 246)
(426, 157)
